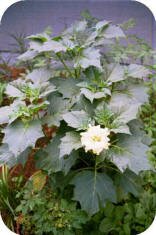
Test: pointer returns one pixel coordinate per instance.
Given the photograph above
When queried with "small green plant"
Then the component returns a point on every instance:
(42, 212)
(9, 187)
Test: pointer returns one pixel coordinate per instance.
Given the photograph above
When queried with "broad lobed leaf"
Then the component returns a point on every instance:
(93, 191)
(77, 119)
(19, 136)
(134, 154)
(71, 141)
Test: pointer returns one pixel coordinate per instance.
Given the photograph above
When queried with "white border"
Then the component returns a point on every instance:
(4, 229)
(5, 5)
(151, 5)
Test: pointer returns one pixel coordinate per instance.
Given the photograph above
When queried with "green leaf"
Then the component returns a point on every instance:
(56, 109)
(137, 71)
(50, 160)
(122, 128)
(94, 95)
(49, 45)
(89, 57)
(4, 114)
(134, 155)
(139, 92)
(113, 32)
(28, 55)
(93, 190)
(23, 157)
(40, 37)
(69, 142)
(86, 105)
(38, 76)
(127, 106)
(67, 87)
(13, 91)
(117, 74)
(77, 119)
(69, 161)
(77, 27)
(129, 182)
(24, 89)
(101, 24)
(19, 137)
(6, 157)
(68, 43)
(124, 106)
(107, 225)
(8, 114)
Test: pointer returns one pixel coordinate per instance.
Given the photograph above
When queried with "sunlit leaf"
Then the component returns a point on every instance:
(19, 136)
(77, 119)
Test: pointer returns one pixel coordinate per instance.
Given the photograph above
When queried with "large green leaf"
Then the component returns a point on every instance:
(23, 157)
(19, 136)
(77, 27)
(128, 182)
(38, 76)
(93, 190)
(86, 105)
(4, 114)
(107, 225)
(77, 119)
(49, 45)
(40, 37)
(6, 157)
(28, 55)
(12, 90)
(71, 141)
(95, 95)
(125, 107)
(22, 88)
(89, 57)
(67, 87)
(49, 159)
(137, 71)
(113, 31)
(8, 114)
(101, 24)
(122, 128)
(57, 107)
(139, 92)
(117, 73)
(134, 154)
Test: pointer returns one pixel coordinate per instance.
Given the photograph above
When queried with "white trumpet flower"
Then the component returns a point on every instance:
(95, 139)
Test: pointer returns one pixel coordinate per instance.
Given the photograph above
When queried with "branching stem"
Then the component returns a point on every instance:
(64, 64)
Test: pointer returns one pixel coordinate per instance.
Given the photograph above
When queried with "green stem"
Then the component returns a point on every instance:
(95, 176)
(64, 64)
(6, 202)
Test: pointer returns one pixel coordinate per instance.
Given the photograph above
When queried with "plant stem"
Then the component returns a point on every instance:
(95, 167)
(64, 64)
(95, 176)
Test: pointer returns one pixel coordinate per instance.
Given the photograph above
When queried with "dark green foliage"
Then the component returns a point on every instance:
(44, 213)
(148, 114)
(132, 215)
